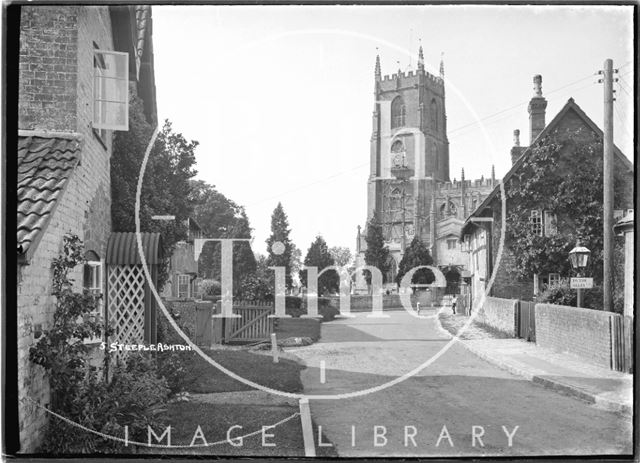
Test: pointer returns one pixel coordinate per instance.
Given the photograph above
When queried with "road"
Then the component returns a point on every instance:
(438, 411)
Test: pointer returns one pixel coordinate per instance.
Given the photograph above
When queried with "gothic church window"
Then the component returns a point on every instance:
(396, 200)
(398, 113)
(433, 112)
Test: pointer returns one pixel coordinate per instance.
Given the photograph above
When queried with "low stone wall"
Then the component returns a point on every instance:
(297, 328)
(499, 314)
(583, 332)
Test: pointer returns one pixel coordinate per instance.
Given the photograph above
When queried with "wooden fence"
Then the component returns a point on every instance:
(622, 343)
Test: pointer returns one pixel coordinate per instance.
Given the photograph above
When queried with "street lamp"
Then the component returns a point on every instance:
(579, 256)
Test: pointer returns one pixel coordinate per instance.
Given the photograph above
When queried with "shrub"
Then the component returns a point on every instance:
(209, 288)
(79, 392)
(562, 294)
(134, 398)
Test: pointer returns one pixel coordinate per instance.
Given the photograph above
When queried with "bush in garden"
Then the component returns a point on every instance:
(79, 392)
(210, 288)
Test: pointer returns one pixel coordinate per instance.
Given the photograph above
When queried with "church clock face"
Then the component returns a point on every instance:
(409, 230)
(398, 159)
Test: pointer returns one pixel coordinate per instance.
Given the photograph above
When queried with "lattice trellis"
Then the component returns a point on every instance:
(126, 304)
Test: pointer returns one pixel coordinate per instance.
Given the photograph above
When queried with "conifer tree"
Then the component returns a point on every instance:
(280, 232)
(377, 253)
(415, 255)
(319, 256)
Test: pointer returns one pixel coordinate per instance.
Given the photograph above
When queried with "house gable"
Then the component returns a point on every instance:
(570, 118)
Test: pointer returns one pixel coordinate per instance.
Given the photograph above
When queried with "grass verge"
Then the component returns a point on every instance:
(198, 376)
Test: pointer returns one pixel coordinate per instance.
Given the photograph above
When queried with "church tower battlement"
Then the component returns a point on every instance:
(409, 191)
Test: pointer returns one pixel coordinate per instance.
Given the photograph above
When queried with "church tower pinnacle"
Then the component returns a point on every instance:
(378, 71)
(442, 65)
(420, 59)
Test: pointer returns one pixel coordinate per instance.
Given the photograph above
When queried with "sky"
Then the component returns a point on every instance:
(281, 97)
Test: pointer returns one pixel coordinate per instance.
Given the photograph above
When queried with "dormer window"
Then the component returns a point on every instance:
(110, 90)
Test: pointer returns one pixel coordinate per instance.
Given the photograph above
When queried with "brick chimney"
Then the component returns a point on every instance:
(537, 107)
(517, 150)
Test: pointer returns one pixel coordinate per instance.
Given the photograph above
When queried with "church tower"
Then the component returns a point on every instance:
(409, 152)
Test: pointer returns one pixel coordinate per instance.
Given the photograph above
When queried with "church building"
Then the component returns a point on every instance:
(409, 191)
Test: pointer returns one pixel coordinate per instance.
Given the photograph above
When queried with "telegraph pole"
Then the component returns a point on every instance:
(608, 185)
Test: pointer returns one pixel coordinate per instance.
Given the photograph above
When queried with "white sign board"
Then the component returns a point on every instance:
(581, 283)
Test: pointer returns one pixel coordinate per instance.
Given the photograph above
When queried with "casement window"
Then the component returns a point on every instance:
(543, 223)
(536, 222)
(554, 279)
(451, 244)
(93, 282)
(110, 90)
(184, 286)
(93, 276)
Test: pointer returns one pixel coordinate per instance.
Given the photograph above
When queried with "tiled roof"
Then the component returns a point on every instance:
(143, 14)
(44, 167)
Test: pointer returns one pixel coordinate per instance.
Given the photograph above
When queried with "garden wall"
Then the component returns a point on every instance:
(583, 332)
(499, 314)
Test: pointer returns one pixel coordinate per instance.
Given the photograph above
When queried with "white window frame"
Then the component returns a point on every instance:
(535, 219)
(97, 288)
(188, 285)
(98, 81)
(554, 278)
(451, 243)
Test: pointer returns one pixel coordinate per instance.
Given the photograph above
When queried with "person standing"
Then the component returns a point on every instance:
(454, 301)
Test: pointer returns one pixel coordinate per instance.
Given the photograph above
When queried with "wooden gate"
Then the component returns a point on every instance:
(253, 325)
(621, 343)
(527, 320)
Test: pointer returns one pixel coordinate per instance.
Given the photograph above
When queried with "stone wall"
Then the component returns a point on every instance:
(499, 314)
(583, 332)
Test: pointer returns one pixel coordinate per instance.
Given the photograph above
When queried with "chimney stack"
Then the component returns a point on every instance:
(537, 107)
(517, 150)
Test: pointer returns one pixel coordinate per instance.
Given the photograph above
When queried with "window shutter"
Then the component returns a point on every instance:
(550, 223)
(111, 90)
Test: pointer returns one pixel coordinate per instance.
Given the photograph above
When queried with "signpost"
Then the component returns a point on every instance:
(581, 283)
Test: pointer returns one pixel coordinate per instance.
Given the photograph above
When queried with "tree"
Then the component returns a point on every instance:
(220, 217)
(165, 189)
(280, 232)
(318, 256)
(415, 255)
(377, 253)
(341, 255)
